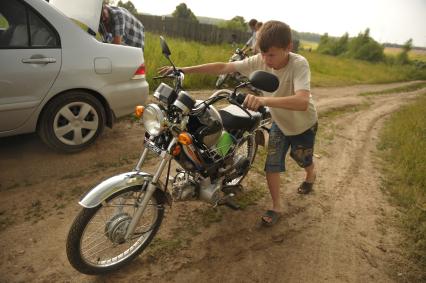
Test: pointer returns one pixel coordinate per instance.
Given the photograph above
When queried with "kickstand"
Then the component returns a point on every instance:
(232, 204)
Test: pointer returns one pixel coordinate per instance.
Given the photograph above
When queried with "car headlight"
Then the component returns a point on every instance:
(153, 120)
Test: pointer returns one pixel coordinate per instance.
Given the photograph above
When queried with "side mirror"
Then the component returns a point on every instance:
(164, 47)
(264, 81)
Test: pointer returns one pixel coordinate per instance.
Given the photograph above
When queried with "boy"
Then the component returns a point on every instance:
(291, 105)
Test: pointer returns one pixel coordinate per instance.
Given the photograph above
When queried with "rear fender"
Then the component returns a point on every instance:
(261, 137)
(118, 183)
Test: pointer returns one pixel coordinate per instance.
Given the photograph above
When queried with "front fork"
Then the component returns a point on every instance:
(152, 186)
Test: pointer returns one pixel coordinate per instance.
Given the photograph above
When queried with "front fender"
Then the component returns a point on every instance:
(115, 184)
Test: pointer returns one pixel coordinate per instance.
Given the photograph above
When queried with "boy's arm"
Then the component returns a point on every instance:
(209, 68)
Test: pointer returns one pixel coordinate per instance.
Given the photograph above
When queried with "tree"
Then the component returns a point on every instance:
(128, 6)
(236, 23)
(183, 12)
(402, 57)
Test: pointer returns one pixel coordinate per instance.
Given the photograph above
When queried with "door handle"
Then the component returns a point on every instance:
(44, 60)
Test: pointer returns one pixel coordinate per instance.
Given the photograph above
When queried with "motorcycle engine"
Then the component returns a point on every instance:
(206, 126)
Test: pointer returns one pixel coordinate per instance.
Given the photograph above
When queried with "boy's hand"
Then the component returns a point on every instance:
(165, 70)
(253, 102)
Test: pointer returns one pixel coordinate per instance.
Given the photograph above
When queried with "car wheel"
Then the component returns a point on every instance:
(72, 121)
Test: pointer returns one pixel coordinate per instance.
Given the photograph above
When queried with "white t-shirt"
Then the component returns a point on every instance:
(293, 77)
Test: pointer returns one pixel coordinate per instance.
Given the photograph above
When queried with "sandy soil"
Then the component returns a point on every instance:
(343, 232)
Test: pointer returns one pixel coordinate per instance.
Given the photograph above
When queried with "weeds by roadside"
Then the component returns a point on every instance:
(403, 148)
(408, 88)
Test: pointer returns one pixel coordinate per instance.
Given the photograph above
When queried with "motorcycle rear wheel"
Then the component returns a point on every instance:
(95, 242)
(248, 149)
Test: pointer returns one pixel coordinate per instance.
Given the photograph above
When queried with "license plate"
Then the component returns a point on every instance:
(151, 146)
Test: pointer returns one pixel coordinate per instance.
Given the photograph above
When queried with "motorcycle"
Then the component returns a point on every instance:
(238, 55)
(214, 149)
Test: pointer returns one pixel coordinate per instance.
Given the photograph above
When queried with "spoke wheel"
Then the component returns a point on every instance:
(247, 149)
(96, 242)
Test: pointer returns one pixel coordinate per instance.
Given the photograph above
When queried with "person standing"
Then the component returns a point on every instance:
(292, 108)
(251, 43)
(123, 26)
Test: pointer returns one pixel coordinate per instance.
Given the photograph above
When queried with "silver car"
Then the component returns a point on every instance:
(60, 81)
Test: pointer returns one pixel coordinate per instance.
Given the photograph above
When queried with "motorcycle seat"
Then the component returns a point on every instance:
(234, 118)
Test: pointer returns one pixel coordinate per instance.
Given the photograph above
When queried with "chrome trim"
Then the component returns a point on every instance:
(160, 117)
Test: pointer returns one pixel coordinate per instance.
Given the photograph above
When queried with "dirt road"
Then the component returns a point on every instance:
(343, 232)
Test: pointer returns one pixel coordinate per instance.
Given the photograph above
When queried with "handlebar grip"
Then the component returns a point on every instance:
(242, 96)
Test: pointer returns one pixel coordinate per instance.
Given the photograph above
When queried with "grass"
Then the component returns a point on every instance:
(403, 148)
(408, 88)
(335, 71)
(325, 70)
(308, 44)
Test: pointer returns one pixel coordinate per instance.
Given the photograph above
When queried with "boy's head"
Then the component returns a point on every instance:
(274, 42)
(252, 24)
(274, 34)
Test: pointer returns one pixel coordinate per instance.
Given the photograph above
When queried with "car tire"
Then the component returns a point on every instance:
(72, 121)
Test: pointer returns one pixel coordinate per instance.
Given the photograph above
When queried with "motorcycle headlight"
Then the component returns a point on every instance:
(153, 120)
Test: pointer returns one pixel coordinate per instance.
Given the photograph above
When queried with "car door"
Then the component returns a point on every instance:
(30, 60)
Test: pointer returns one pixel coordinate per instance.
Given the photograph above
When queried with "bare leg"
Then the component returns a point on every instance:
(310, 173)
(274, 188)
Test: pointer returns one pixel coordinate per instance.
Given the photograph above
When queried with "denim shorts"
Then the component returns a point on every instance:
(301, 148)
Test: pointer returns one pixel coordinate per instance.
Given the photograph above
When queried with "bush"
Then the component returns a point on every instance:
(362, 47)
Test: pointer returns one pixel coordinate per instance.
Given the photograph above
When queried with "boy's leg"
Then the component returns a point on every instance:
(302, 148)
(310, 173)
(274, 165)
(273, 179)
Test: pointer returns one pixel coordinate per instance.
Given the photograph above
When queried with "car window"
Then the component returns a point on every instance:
(21, 27)
(41, 34)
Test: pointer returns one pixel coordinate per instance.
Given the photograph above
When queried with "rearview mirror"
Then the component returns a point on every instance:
(164, 47)
(264, 81)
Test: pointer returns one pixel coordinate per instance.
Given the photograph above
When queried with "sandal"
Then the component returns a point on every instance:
(273, 216)
(305, 188)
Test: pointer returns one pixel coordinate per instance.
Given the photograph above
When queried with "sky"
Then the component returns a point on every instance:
(393, 21)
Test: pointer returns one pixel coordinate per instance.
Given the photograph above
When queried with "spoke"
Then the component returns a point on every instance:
(92, 236)
(84, 110)
(90, 125)
(62, 131)
(66, 112)
(95, 246)
(96, 252)
(78, 136)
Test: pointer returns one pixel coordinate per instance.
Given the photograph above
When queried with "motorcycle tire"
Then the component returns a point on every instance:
(108, 237)
(248, 148)
(220, 80)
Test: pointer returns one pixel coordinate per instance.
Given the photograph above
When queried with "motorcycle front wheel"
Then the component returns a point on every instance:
(220, 80)
(96, 243)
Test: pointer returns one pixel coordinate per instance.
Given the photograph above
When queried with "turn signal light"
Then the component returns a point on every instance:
(185, 138)
(176, 150)
(139, 111)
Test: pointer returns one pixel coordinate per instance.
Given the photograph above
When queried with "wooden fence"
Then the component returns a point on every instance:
(192, 30)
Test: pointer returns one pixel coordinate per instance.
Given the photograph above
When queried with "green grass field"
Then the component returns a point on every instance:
(325, 70)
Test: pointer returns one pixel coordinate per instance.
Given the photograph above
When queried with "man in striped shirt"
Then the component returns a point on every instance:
(124, 27)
